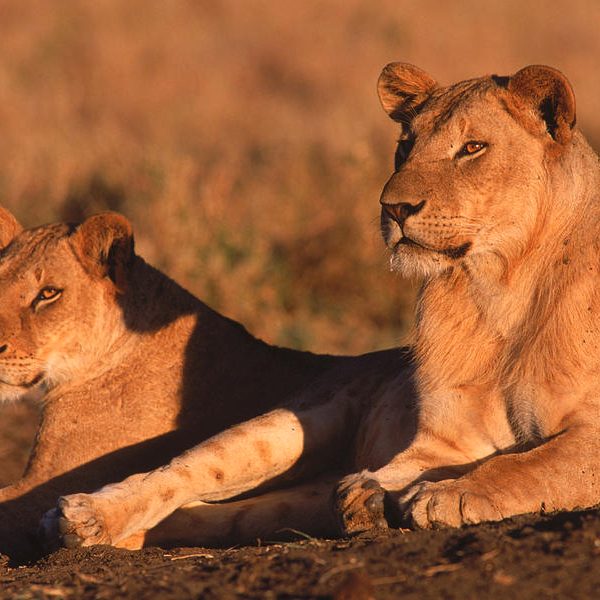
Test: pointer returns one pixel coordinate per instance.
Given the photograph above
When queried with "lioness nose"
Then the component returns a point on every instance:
(402, 210)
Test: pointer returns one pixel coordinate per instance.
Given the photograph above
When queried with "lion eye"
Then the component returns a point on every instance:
(471, 148)
(46, 294)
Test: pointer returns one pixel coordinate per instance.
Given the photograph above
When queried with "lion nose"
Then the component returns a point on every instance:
(3, 348)
(402, 210)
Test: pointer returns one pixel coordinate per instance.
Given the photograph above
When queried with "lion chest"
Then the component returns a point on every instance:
(539, 410)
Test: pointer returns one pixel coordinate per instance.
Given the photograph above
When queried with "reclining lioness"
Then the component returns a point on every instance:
(137, 369)
(495, 200)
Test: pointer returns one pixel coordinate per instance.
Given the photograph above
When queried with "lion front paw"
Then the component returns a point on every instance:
(453, 503)
(76, 521)
(359, 505)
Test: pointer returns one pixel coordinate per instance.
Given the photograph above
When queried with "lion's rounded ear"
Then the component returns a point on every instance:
(551, 95)
(402, 89)
(104, 243)
(9, 227)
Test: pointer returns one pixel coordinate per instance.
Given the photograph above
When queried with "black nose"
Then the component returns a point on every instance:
(3, 348)
(401, 211)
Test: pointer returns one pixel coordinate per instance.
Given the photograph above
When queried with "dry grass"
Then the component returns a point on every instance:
(244, 138)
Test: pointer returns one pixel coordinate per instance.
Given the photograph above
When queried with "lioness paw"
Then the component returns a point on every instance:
(79, 522)
(359, 504)
(453, 503)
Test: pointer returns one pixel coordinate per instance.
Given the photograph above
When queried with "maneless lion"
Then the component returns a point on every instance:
(136, 370)
(494, 200)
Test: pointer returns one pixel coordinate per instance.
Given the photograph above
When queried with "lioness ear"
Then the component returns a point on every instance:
(9, 227)
(551, 95)
(402, 89)
(104, 243)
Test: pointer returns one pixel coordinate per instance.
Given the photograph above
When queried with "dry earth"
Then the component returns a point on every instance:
(546, 557)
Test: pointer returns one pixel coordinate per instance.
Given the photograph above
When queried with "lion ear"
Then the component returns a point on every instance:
(551, 95)
(9, 227)
(104, 243)
(402, 89)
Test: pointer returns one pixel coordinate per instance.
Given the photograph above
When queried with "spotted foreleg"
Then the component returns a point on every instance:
(234, 462)
(302, 510)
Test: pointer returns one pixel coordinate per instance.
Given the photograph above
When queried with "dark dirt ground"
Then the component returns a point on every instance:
(552, 556)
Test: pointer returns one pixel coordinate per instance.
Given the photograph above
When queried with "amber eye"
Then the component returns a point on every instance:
(46, 294)
(471, 148)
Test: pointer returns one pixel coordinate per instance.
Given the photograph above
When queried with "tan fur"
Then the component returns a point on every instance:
(135, 370)
(499, 411)
(507, 332)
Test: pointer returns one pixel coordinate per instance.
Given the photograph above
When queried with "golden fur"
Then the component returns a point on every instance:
(494, 199)
(133, 368)
(507, 328)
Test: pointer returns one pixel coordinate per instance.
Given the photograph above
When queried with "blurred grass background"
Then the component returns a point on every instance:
(245, 141)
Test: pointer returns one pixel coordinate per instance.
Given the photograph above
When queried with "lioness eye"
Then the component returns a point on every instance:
(45, 294)
(471, 148)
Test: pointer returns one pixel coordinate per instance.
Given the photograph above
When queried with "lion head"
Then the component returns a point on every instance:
(59, 310)
(476, 166)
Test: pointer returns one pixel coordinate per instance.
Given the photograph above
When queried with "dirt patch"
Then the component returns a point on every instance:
(554, 556)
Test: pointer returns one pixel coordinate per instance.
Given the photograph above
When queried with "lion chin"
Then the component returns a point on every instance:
(412, 259)
(12, 392)
(415, 261)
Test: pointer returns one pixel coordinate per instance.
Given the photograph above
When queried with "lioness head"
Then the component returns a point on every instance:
(473, 164)
(58, 299)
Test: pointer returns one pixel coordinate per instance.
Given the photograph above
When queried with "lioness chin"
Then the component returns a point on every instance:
(495, 200)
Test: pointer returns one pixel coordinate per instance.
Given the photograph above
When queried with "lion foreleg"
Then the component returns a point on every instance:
(14, 490)
(277, 515)
(369, 498)
(233, 462)
(560, 474)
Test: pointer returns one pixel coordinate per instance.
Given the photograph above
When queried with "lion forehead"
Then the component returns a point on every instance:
(477, 104)
(30, 249)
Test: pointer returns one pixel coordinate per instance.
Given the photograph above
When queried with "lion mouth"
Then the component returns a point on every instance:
(24, 384)
(457, 252)
(406, 241)
(454, 252)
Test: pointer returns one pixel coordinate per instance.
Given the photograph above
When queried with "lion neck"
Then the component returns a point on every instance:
(153, 301)
(147, 327)
(503, 319)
